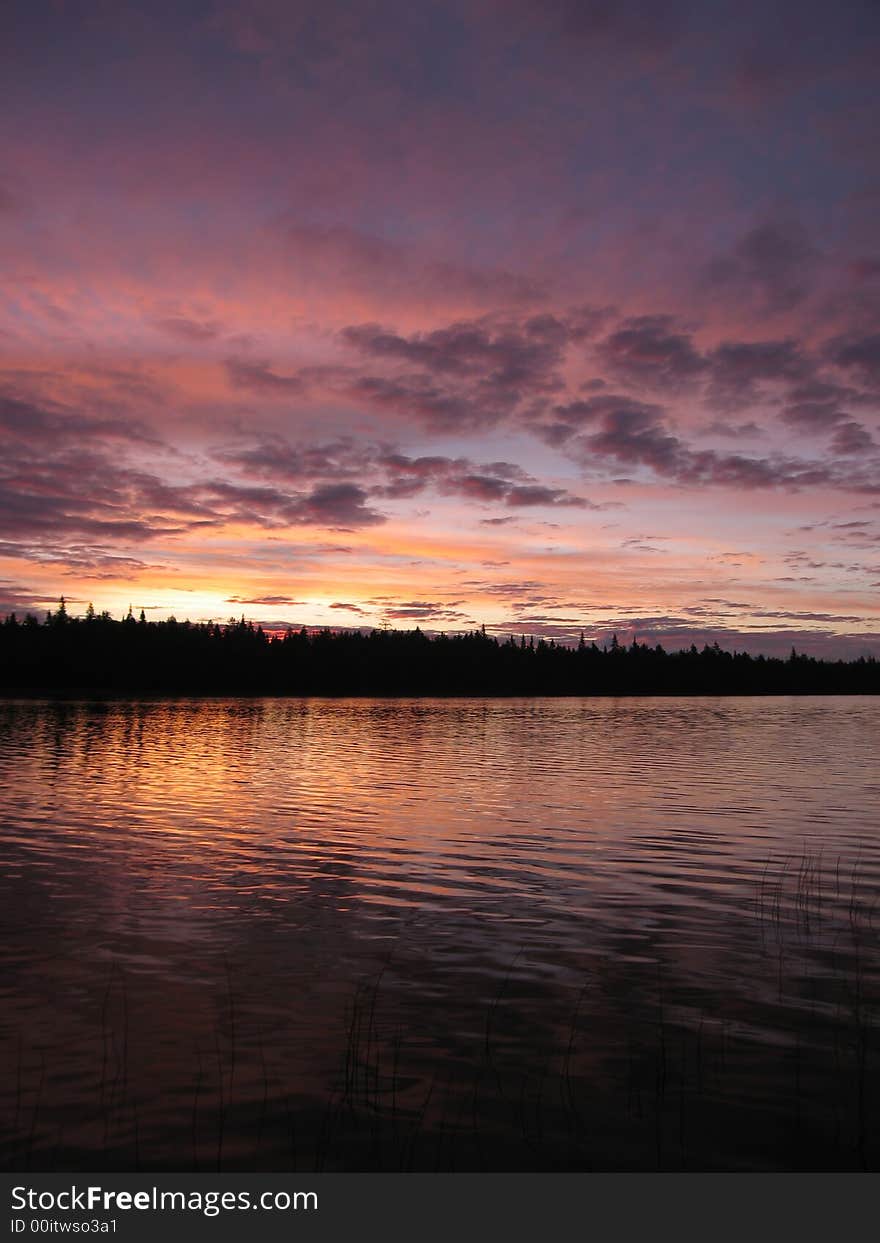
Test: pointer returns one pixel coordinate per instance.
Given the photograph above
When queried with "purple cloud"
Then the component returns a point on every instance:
(858, 355)
(773, 264)
(260, 378)
(852, 438)
(648, 352)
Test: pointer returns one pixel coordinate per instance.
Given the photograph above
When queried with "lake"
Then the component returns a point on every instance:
(452, 934)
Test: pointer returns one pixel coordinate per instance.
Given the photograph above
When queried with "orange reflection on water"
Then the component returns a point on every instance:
(197, 892)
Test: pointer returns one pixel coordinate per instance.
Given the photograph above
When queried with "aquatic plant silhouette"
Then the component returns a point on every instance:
(681, 1092)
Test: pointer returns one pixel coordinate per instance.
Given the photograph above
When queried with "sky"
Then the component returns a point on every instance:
(553, 316)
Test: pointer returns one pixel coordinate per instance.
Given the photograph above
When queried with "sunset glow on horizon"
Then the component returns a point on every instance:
(550, 317)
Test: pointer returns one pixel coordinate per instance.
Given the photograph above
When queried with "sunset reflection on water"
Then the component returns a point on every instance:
(232, 927)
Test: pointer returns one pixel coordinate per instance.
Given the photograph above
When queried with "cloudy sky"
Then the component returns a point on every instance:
(548, 315)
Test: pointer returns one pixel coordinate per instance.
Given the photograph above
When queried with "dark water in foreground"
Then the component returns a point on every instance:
(440, 934)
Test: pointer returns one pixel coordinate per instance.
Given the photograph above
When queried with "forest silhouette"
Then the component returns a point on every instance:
(98, 654)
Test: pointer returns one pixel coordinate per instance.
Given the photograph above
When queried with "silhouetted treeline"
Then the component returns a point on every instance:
(99, 654)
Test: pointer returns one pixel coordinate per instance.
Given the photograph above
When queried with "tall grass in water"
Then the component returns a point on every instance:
(635, 1069)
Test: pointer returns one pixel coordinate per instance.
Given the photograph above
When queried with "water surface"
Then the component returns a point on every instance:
(439, 934)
